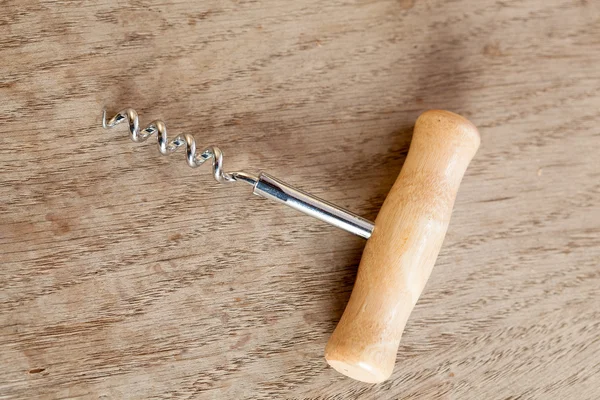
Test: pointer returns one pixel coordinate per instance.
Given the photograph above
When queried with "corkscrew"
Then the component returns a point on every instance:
(263, 185)
(403, 242)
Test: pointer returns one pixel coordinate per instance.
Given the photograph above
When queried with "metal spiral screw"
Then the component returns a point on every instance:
(263, 185)
(166, 146)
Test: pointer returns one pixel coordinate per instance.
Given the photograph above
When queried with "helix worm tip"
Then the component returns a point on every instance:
(104, 118)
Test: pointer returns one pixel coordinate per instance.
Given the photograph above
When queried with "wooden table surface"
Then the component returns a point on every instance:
(128, 275)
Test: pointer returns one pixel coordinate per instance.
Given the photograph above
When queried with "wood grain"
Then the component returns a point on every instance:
(126, 274)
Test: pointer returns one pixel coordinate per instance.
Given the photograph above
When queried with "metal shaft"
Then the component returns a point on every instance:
(272, 188)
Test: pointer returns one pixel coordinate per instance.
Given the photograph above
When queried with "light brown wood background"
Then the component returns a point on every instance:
(127, 275)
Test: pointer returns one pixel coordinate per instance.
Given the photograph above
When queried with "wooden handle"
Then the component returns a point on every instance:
(400, 255)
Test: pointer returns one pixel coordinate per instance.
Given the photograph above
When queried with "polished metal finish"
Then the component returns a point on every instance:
(272, 188)
(264, 185)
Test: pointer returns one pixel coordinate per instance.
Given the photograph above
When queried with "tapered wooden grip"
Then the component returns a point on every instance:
(400, 255)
